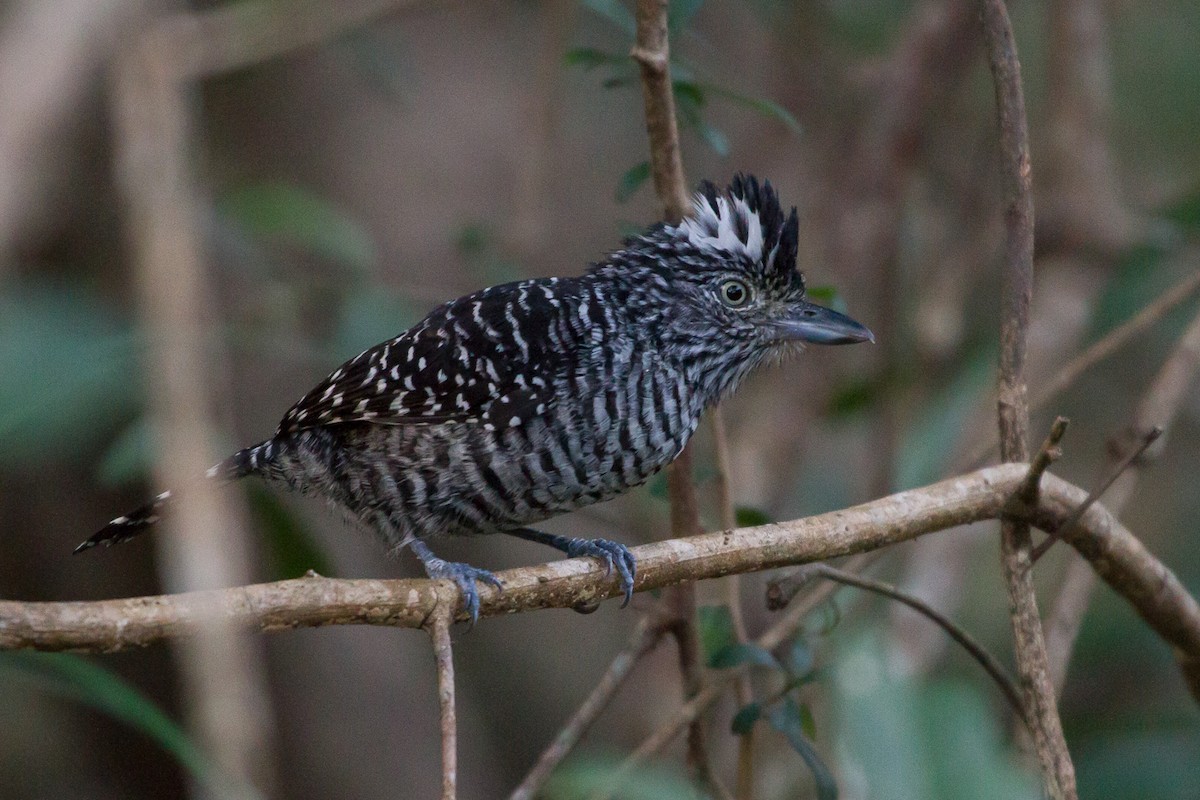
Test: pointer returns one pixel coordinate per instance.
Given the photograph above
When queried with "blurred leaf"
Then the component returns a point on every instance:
(854, 396)
(369, 316)
(744, 719)
(738, 653)
(129, 458)
(928, 444)
(68, 368)
(302, 219)
(826, 295)
(1186, 212)
(80, 680)
(788, 719)
(749, 517)
(480, 248)
(291, 549)
(715, 628)
(614, 12)
(590, 58)
(1138, 279)
(688, 94)
(714, 138)
(808, 723)
(632, 180)
(761, 105)
(800, 658)
(582, 778)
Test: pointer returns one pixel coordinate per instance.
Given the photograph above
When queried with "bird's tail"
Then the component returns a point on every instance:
(242, 463)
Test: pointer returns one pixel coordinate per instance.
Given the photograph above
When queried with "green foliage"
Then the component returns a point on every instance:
(296, 217)
(582, 778)
(934, 740)
(691, 95)
(82, 681)
(66, 363)
(129, 458)
(789, 719)
(632, 180)
(366, 317)
(927, 445)
(291, 549)
(714, 625)
(480, 248)
(739, 653)
(748, 517)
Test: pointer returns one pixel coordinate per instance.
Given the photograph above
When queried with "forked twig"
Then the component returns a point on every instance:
(788, 585)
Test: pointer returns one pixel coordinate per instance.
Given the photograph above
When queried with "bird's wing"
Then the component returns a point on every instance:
(486, 357)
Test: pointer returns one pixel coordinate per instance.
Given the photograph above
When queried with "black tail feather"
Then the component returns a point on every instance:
(239, 465)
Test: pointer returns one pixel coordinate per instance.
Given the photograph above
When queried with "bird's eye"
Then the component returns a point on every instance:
(735, 293)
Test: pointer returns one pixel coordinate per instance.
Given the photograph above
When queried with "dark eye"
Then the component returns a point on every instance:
(735, 293)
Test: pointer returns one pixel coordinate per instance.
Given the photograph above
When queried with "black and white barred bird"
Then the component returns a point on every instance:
(531, 399)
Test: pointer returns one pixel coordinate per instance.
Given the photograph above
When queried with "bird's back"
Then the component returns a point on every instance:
(500, 409)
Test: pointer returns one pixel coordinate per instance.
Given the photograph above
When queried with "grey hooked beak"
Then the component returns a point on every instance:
(809, 322)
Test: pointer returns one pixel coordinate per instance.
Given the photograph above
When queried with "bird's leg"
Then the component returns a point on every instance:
(613, 554)
(462, 574)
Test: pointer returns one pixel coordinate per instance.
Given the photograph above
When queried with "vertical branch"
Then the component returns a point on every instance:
(203, 548)
(443, 653)
(1058, 773)
(651, 52)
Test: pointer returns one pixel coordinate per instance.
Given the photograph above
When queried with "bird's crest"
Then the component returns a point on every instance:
(744, 220)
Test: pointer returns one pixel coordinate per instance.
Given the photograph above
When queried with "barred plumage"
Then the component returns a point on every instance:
(523, 401)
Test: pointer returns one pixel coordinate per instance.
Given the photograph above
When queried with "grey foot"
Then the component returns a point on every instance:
(464, 575)
(614, 554)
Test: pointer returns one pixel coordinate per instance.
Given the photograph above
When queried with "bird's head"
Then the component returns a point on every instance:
(727, 279)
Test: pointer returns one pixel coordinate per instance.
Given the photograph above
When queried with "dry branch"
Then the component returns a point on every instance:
(1119, 558)
(1058, 773)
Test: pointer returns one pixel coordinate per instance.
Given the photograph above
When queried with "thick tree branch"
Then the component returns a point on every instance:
(1119, 558)
(1058, 773)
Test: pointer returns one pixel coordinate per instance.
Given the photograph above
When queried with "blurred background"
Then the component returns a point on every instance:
(348, 188)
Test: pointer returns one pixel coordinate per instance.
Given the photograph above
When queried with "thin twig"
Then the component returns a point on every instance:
(1058, 773)
(1110, 343)
(1157, 408)
(645, 638)
(1097, 492)
(652, 53)
(696, 706)
(1047, 454)
(443, 653)
(985, 659)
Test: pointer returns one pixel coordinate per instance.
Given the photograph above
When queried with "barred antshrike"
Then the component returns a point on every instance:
(531, 399)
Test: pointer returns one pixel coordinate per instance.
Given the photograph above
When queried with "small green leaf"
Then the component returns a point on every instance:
(808, 722)
(826, 295)
(303, 219)
(787, 718)
(854, 396)
(290, 548)
(768, 108)
(715, 627)
(734, 655)
(688, 93)
(744, 719)
(614, 12)
(714, 138)
(81, 680)
(632, 180)
(590, 58)
(749, 517)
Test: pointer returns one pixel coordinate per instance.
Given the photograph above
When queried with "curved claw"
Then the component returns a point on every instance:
(613, 554)
(465, 576)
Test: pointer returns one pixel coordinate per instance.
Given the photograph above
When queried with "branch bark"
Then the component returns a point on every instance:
(1058, 773)
(1117, 556)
